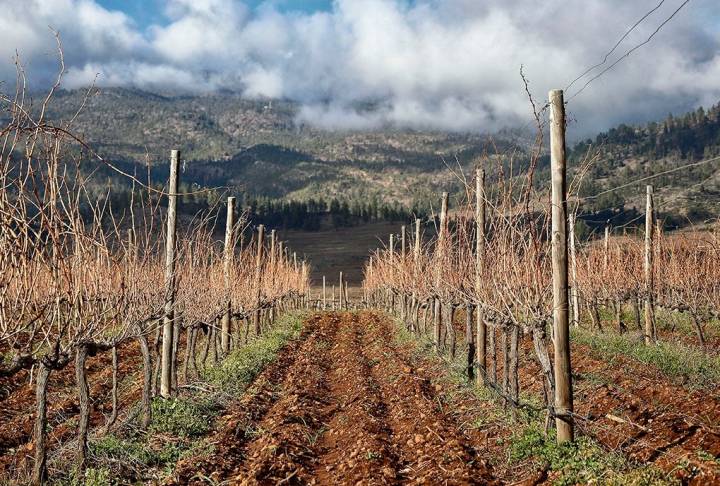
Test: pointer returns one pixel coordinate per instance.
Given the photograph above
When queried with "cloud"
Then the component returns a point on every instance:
(446, 64)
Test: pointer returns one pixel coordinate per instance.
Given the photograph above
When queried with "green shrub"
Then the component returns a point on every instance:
(113, 447)
(97, 477)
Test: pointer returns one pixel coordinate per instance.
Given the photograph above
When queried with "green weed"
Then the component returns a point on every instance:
(674, 360)
(239, 368)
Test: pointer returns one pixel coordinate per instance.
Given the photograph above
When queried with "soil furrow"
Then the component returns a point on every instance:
(285, 442)
(348, 412)
(431, 445)
(356, 447)
(239, 426)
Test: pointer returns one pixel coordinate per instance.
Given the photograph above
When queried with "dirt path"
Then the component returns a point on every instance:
(343, 405)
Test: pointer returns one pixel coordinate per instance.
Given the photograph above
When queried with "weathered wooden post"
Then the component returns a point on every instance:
(563, 378)
(416, 271)
(324, 306)
(258, 277)
(390, 295)
(403, 296)
(575, 294)
(481, 331)
(273, 265)
(439, 262)
(227, 264)
(606, 247)
(649, 311)
(342, 299)
(333, 297)
(169, 317)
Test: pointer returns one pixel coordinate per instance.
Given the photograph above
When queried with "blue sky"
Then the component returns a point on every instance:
(148, 12)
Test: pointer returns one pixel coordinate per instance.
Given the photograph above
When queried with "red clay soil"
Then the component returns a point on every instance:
(632, 408)
(17, 406)
(343, 405)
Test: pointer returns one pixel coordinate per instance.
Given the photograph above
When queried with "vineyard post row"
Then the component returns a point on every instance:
(558, 376)
(194, 297)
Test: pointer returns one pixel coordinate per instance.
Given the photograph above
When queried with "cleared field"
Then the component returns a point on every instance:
(332, 251)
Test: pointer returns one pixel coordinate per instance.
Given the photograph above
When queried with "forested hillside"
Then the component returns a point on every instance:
(678, 147)
(262, 150)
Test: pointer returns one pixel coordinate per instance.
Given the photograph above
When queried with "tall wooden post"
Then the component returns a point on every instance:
(324, 305)
(273, 258)
(168, 320)
(390, 295)
(481, 327)
(227, 264)
(575, 294)
(403, 297)
(606, 246)
(414, 305)
(649, 311)
(342, 298)
(273, 266)
(563, 378)
(258, 277)
(440, 256)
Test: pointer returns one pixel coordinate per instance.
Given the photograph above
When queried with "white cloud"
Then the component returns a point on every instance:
(450, 64)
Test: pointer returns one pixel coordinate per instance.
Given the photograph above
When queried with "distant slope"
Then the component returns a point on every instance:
(630, 153)
(258, 147)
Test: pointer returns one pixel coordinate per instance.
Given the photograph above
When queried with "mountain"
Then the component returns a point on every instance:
(258, 147)
(675, 155)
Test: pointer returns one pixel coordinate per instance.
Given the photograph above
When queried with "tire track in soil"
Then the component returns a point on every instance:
(284, 448)
(328, 427)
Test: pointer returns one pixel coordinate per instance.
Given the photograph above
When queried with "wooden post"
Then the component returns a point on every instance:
(169, 317)
(273, 266)
(481, 327)
(227, 263)
(443, 217)
(606, 246)
(333, 297)
(324, 306)
(403, 297)
(649, 311)
(342, 299)
(273, 259)
(440, 253)
(573, 270)
(258, 277)
(563, 378)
